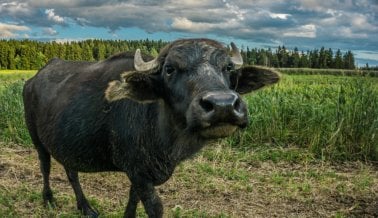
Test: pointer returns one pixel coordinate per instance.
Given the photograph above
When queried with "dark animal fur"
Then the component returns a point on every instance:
(146, 136)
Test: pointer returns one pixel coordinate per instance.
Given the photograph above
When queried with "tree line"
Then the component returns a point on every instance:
(283, 58)
(31, 55)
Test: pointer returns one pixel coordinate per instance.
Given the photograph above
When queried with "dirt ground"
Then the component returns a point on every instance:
(259, 189)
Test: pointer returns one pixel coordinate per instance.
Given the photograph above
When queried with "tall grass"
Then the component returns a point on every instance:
(334, 117)
(335, 72)
(12, 122)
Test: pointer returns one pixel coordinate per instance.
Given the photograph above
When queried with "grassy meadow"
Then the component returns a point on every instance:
(335, 72)
(311, 150)
(13, 75)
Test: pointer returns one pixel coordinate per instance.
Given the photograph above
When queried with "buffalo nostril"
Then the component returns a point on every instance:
(206, 105)
(222, 107)
(237, 105)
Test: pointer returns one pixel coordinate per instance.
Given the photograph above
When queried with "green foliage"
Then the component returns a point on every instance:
(334, 117)
(178, 212)
(32, 55)
(12, 122)
(284, 58)
(273, 160)
(26, 54)
(336, 72)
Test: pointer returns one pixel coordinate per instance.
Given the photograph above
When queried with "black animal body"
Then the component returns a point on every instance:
(141, 118)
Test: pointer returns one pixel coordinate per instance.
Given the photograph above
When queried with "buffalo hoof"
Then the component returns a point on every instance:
(49, 203)
(48, 199)
(88, 211)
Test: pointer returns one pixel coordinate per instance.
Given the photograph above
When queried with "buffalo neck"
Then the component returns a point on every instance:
(181, 141)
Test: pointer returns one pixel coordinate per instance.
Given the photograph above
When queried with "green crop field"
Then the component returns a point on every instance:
(13, 75)
(335, 72)
(311, 150)
(334, 117)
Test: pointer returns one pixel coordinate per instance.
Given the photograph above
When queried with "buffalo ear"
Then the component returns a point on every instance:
(251, 78)
(136, 86)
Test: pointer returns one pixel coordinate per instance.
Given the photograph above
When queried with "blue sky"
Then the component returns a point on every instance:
(306, 24)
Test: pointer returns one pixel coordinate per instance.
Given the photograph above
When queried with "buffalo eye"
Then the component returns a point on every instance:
(169, 70)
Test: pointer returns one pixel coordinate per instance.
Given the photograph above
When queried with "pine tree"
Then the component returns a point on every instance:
(98, 51)
(329, 55)
(25, 57)
(349, 60)
(294, 58)
(303, 61)
(252, 58)
(76, 51)
(26, 54)
(314, 59)
(4, 50)
(322, 58)
(62, 51)
(87, 52)
(11, 59)
(17, 61)
(153, 52)
(338, 60)
(69, 52)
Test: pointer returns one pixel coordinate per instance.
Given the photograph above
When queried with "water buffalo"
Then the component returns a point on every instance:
(142, 118)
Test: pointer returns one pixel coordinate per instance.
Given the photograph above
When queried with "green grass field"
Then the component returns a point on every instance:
(334, 117)
(13, 75)
(335, 72)
(311, 150)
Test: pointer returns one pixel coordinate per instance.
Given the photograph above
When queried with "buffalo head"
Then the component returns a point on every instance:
(199, 81)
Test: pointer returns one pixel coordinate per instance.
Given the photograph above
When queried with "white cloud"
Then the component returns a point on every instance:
(361, 22)
(68, 40)
(50, 31)
(55, 3)
(346, 32)
(53, 17)
(9, 30)
(183, 23)
(368, 55)
(343, 22)
(233, 8)
(82, 21)
(192, 3)
(328, 6)
(279, 16)
(15, 8)
(305, 31)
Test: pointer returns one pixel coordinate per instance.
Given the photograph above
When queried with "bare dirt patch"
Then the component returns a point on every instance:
(201, 187)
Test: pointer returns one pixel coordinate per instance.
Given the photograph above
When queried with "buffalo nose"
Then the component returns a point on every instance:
(222, 106)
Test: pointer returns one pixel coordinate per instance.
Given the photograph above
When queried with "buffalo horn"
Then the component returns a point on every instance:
(236, 57)
(140, 65)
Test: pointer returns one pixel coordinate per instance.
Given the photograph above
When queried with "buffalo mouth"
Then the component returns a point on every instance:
(218, 131)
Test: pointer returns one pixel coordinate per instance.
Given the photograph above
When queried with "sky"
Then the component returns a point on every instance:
(306, 24)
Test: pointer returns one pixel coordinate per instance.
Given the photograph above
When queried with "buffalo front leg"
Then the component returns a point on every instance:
(150, 199)
(131, 207)
(82, 203)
